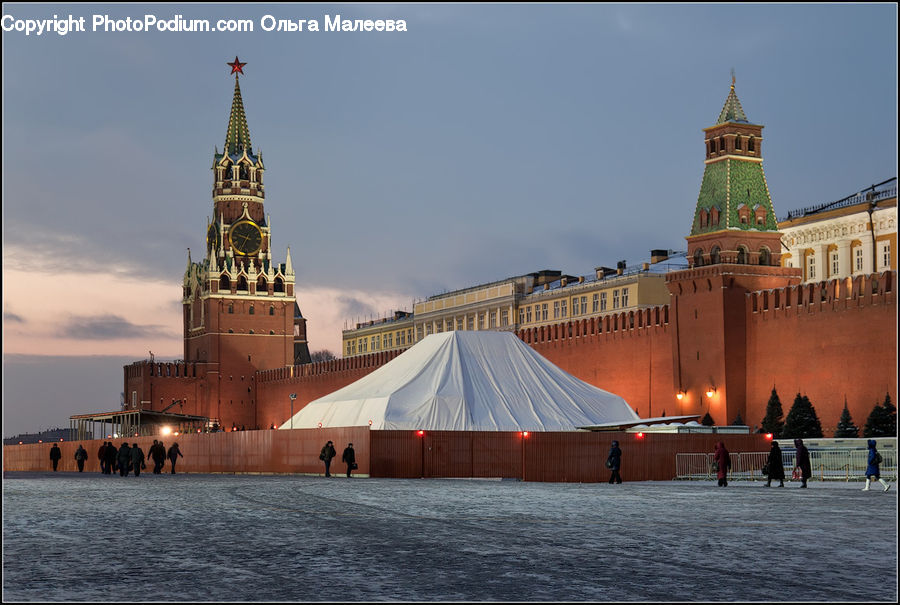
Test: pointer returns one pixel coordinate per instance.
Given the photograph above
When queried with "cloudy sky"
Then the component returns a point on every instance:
(486, 141)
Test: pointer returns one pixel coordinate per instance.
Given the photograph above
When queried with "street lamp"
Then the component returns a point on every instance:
(293, 396)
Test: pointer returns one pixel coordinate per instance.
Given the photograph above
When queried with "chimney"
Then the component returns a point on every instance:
(620, 267)
(603, 272)
(645, 267)
(658, 255)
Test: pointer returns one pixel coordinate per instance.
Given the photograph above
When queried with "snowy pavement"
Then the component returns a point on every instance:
(88, 537)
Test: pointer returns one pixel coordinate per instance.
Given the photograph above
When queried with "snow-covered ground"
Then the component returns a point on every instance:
(71, 537)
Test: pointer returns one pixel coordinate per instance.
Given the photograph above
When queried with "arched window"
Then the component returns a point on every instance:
(224, 283)
(765, 257)
(703, 219)
(742, 255)
(714, 256)
(252, 310)
(261, 285)
(279, 285)
(271, 310)
(698, 257)
(244, 172)
(751, 144)
(242, 283)
(737, 142)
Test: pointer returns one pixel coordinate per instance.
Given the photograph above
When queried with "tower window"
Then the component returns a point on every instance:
(252, 310)
(737, 142)
(231, 309)
(271, 310)
(751, 145)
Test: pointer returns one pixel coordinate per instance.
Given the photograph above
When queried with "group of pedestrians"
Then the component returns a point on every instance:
(328, 453)
(123, 460)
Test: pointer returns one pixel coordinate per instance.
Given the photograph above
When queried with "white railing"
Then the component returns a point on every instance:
(827, 464)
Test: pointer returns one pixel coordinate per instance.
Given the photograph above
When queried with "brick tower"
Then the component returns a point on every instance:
(734, 248)
(240, 310)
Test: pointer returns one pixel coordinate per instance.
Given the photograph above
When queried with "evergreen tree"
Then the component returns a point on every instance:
(707, 420)
(802, 420)
(882, 421)
(774, 420)
(845, 427)
(738, 421)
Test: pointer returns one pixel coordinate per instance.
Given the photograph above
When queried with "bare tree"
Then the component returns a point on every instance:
(323, 355)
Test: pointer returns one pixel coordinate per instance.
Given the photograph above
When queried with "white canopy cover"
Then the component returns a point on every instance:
(467, 381)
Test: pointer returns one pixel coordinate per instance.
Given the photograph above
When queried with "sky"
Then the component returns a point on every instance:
(484, 142)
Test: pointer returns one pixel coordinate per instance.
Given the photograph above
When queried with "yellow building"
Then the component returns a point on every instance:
(856, 235)
(523, 301)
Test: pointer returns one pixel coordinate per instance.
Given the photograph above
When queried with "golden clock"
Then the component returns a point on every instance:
(245, 237)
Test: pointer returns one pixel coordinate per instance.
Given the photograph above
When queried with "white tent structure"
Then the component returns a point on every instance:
(467, 381)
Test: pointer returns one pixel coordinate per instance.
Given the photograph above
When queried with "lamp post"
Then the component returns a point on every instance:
(293, 396)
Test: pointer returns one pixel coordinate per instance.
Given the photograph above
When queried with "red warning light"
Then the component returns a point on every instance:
(420, 433)
(640, 435)
(769, 436)
(525, 434)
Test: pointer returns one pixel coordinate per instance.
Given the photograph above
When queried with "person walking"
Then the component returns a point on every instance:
(723, 464)
(775, 466)
(123, 458)
(174, 453)
(137, 459)
(873, 469)
(159, 457)
(614, 463)
(101, 455)
(81, 456)
(802, 463)
(112, 457)
(328, 452)
(349, 458)
(55, 455)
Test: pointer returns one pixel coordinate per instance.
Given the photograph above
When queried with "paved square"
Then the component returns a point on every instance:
(71, 537)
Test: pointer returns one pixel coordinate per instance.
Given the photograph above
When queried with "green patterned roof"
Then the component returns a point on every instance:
(732, 111)
(237, 139)
(728, 185)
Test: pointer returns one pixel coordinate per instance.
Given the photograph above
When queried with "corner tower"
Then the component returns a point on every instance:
(734, 221)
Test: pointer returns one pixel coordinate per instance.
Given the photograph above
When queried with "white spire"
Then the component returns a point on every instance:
(288, 265)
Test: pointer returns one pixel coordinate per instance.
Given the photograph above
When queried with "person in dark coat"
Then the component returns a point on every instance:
(158, 453)
(614, 463)
(81, 457)
(123, 458)
(55, 455)
(101, 455)
(803, 462)
(775, 466)
(137, 459)
(349, 458)
(328, 452)
(112, 458)
(174, 453)
(873, 468)
(723, 464)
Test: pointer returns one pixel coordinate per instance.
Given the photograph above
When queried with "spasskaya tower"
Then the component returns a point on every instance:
(240, 309)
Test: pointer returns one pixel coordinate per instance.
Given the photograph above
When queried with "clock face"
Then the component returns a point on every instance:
(212, 237)
(245, 238)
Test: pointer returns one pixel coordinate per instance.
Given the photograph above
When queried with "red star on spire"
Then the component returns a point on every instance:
(237, 66)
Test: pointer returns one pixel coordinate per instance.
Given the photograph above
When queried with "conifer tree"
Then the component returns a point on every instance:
(802, 421)
(882, 421)
(774, 420)
(708, 420)
(845, 427)
(738, 421)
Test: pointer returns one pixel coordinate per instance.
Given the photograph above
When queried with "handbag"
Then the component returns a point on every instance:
(354, 466)
(796, 474)
(609, 463)
(765, 469)
(321, 456)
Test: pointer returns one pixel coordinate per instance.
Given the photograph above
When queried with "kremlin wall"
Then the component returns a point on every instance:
(732, 322)
(713, 335)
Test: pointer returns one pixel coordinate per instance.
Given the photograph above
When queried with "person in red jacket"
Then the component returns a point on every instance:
(723, 464)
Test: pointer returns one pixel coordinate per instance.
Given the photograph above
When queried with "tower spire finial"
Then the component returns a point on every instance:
(732, 77)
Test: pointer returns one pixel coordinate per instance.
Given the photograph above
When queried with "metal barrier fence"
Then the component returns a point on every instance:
(827, 464)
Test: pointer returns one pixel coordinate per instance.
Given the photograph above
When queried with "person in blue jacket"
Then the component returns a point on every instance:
(614, 463)
(873, 470)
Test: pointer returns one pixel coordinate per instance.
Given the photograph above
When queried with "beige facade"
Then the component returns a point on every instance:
(524, 301)
(853, 236)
